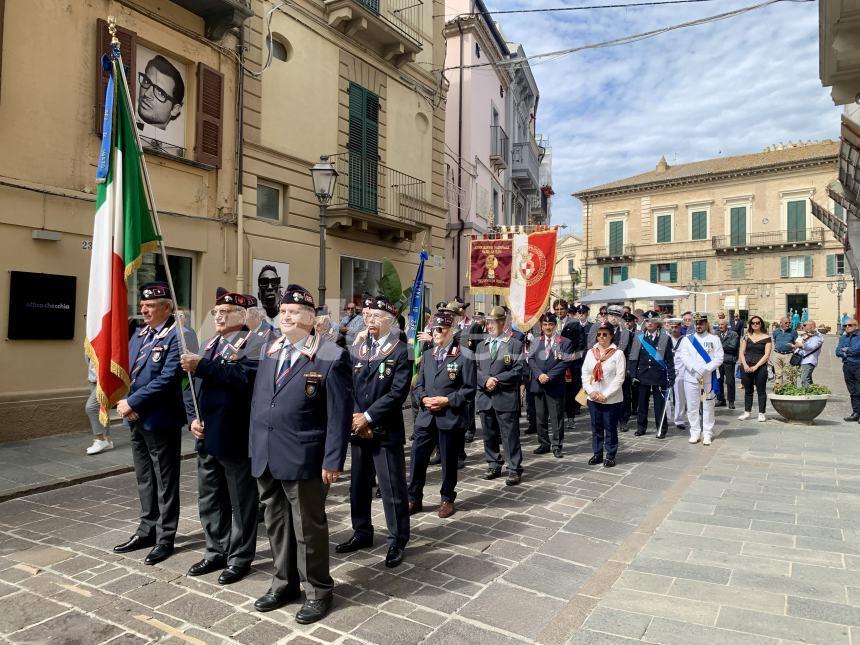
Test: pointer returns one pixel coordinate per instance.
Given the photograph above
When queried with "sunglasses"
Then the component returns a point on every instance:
(850, 324)
(755, 322)
(604, 335)
(269, 282)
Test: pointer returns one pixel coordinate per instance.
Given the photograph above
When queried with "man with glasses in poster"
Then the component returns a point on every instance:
(269, 292)
(160, 97)
(848, 349)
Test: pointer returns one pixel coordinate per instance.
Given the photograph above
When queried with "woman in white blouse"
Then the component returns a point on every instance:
(602, 376)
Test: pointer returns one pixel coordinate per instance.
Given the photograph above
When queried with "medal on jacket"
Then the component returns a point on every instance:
(158, 353)
(453, 370)
(312, 384)
(385, 369)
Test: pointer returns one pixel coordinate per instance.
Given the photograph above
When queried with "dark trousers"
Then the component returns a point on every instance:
(450, 444)
(644, 393)
(531, 411)
(472, 429)
(156, 466)
(852, 382)
(604, 427)
(634, 399)
(759, 379)
(389, 463)
(627, 405)
(576, 385)
(298, 534)
(228, 501)
(550, 414)
(502, 428)
(726, 376)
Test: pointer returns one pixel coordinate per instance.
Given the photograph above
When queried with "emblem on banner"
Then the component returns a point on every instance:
(531, 264)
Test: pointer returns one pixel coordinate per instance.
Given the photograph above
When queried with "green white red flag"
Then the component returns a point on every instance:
(122, 233)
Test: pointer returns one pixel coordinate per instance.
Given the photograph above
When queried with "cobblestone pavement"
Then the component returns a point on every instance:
(754, 539)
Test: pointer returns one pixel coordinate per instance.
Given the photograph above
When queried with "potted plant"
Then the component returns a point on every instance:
(798, 404)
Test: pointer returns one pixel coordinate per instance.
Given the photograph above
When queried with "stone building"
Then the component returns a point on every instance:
(737, 231)
(567, 280)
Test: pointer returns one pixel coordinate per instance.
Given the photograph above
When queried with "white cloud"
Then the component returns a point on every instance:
(729, 87)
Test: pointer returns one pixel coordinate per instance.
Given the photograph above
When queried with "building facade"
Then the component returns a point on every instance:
(738, 232)
(567, 280)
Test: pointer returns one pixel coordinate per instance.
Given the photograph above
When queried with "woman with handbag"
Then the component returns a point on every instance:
(754, 354)
(603, 373)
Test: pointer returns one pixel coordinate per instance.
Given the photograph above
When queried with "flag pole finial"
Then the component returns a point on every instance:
(114, 40)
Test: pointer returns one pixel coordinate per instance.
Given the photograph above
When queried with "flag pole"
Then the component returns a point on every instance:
(153, 210)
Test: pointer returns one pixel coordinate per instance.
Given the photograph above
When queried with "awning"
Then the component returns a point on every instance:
(634, 289)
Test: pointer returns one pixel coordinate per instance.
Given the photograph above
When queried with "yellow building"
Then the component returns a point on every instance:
(737, 231)
(567, 279)
(326, 60)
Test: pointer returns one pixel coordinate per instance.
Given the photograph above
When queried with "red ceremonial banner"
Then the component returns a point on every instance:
(491, 262)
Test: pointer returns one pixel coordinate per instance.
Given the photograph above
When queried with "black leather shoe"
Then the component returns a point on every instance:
(541, 450)
(512, 479)
(136, 543)
(720, 404)
(271, 601)
(622, 427)
(731, 405)
(639, 433)
(470, 437)
(159, 554)
(596, 459)
(354, 544)
(415, 507)
(557, 453)
(609, 463)
(851, 417)
(393, 557)
(681, 427)
(233, 574)
(435, 459)
(529, 431)
(313, 610)
(493, 473)
(207, 566)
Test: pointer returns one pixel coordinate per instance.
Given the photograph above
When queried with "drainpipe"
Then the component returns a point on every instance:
(460, 164)
(240, 201)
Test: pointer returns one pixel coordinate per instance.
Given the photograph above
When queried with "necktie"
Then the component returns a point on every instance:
(148, 340)
(218, 347)
(374, 350)
(284, 363)
(494, 348)
(440, 355)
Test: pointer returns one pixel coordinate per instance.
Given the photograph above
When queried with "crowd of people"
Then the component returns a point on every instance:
(276, 404)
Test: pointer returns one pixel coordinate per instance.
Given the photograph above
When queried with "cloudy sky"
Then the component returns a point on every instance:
(724, 88)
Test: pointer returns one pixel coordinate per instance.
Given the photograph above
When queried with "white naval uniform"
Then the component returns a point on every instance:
(677, 411)
(694, 367)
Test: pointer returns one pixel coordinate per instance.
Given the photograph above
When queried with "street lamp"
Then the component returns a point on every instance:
(693, 287)
(324, 178)
(838, 287)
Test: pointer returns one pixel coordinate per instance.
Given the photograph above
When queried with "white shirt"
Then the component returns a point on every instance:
(294, 353)
(694, 366)
(614, 369)
(379, 345)
(808, 350)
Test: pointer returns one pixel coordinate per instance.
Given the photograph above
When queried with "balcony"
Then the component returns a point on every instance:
(613, 253)
(392, 26)
(768, 241)
(525, 165)
(537, 208)
(219, 15)
(373, 197)
(499, 148)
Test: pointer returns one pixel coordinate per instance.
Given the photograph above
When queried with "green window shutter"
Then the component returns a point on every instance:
(699, 226)
(783, 267)
(807, 266)
(624, 273)
(839, 211)
(373, 5)
(700, 270)
(664, 229)
(831, 265)
(738, 224)
(616, 238)
(796, 221)
(363, 146)
(605, 275)
(653, 273)
(673, 272)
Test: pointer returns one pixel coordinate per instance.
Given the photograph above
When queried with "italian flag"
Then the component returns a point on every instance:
(122, 233)
(531, 275)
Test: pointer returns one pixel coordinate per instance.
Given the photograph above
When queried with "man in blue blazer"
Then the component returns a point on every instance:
(549, 359)
(381, 375)
(155, 412)
(227, 493)
(301, 418)
(444, 390)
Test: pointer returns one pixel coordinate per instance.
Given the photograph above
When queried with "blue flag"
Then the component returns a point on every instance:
(416, 306)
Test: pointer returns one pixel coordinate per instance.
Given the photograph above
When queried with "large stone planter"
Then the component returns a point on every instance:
(799, 409)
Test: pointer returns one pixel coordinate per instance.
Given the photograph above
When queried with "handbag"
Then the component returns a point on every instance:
(796, 359)
(582, 397)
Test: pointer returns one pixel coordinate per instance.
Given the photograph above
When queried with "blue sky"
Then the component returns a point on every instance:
(724, 88)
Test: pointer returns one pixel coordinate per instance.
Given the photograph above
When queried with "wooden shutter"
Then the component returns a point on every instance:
(653, 273)
(831, 265)
(606, 275)
(363, 145)
(664, 228)
(700, 270)
(616, 238)
(699, 225)
(624, 273)
(796, 221)
(807, 266)
(783, 267)
(128, 50)
(210, 115)
(738, 223)
(673, 272)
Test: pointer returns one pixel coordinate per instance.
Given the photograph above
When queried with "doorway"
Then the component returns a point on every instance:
(796, 302)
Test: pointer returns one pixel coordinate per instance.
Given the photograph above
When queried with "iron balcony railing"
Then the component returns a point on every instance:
(613, 251)
(403, 15)
(499, 145)
(526, 161)
(366, 185)
(537, 207)
(742, 239)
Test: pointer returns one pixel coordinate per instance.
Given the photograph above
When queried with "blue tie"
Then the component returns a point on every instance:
(287, 352)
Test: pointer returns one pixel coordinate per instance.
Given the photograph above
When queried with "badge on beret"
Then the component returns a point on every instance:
(312, 384)
(507, 359)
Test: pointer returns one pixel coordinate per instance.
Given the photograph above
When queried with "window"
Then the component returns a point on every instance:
(796, 221)
(616, 237)
(738, 226)
(477, 50)
(666, 307)
(700, 270)
(496, 207)
(839, 211)
(796, 266)
(664, 272)
(270, 201)
(570, 267)
(835, 264)
(358, 278)
(279, 47)
(738, 269)
(152, 269)
(699, 225)
(614, 275)
(664, 228)
(363, 148)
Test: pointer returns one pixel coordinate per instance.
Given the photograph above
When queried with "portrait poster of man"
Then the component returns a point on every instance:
(161, 97)
(270, 279)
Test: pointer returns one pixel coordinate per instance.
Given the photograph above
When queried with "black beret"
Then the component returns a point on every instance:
(380, 303)
(154, 290)
(298, 295)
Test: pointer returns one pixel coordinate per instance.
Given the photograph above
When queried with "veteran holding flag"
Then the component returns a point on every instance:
(652, 367)
(701, 353)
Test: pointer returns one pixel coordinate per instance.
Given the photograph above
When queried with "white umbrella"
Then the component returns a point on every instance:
(634, 289)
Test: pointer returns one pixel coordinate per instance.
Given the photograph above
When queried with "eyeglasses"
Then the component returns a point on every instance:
(269, 282)
(220, 312)
(145, 83)
(374, 316)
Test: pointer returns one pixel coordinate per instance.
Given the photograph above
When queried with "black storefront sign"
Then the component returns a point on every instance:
(41, 306)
